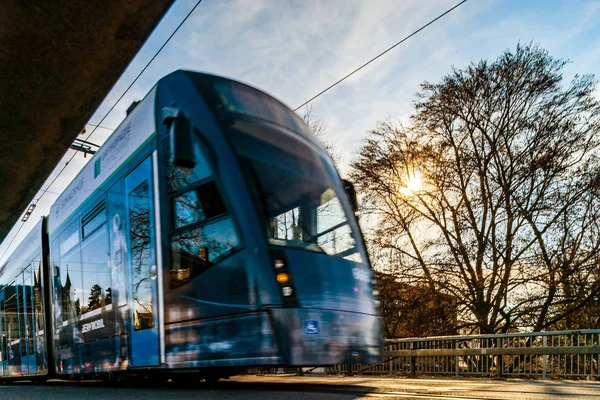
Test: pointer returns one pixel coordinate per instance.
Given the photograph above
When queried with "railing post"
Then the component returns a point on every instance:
(456, 360)
(544, 357)
(413, 361)
(500, 362)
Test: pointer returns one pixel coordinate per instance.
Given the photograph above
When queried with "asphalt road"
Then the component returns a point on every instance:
(317, 388)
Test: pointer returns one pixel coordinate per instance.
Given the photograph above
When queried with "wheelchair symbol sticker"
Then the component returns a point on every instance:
(311, 327)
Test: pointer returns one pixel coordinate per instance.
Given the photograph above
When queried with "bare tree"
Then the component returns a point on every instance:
(318, 127)
(414, 310)
(490, 195)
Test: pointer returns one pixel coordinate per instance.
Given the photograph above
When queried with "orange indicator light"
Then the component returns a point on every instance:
(283, 278)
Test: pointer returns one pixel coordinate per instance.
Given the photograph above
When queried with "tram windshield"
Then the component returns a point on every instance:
(297, 192)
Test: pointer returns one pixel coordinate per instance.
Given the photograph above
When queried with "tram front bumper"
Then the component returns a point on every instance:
(312, 337)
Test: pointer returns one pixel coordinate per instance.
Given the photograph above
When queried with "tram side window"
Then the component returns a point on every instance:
(203, 231)
(11, 328)
(93, 222)
(95, 262)
(22, 312)
(204, 234)
(69, 238)
(26, 311)
(38, 325)
(194, 251)
(57, 291)
(71, 279)
(198, 204)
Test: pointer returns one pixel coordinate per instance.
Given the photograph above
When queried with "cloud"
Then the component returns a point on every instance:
(294, 49)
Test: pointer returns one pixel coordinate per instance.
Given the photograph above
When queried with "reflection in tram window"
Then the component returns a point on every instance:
(178, 177)
(335, 235)
(93, 221)
(13, 346)
(39, 326)
(140, 237)
(22, 311)
(198, 204)
(27, 311)
(196, 250)
(188, 209)
(202, 236)
(296, 191)
(72, 299)
(119, 254)
(69, 238)
(96, 272)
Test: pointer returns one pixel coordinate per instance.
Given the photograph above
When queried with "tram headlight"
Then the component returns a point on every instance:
(287, 291)
(279, 264)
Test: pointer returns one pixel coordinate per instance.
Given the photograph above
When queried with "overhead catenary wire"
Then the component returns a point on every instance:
(101, 127)
(99, 124)
(12, 240)
(380, 54)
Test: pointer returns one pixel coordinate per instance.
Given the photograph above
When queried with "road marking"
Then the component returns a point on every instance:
(426, 387)
(422, 395)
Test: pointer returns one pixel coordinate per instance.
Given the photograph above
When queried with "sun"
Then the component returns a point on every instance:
(413, 185)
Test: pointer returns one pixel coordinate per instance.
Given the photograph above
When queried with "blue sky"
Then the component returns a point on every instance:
(293, 49)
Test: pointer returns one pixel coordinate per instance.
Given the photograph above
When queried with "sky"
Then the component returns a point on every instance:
(293, 49)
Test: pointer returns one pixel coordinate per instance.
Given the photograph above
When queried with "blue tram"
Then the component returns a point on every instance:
(211, 232)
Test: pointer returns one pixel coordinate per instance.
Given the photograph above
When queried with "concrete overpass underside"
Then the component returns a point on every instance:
(58, 60)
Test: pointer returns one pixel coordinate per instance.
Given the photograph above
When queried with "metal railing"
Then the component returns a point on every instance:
(566, 354)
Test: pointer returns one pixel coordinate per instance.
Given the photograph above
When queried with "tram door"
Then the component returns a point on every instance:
(143, 293)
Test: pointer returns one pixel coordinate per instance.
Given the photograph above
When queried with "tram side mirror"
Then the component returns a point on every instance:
(351, 192)
(181, 137)
(132, 107)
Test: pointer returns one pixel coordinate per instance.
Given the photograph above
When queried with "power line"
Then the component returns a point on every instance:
(13, 239)
(380, 54)
(99, 125)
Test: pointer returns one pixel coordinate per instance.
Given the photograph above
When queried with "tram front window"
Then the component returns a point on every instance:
(297, 192)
